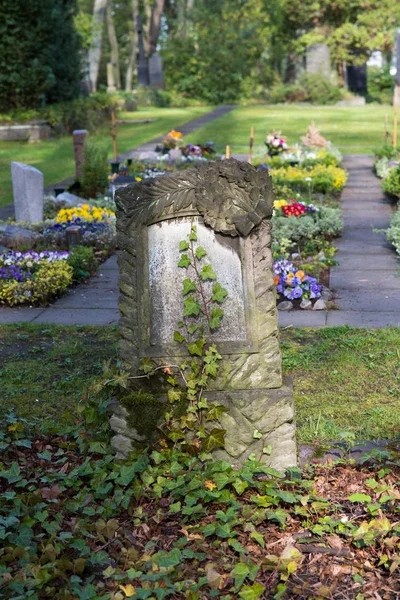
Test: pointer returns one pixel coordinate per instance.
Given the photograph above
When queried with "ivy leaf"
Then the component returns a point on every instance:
(240, 486)
(215, 439)
(211, 369)
(360, 498)
(174, 396)
(146, 365)
(216, 316)
(207, 273)
(193, 234)
(183, 245)
(219, 293)
(184, 262)
(252, 592)
(126, 475)
(258, 537)
(197, 347)
(239, 574)
(192, 329)
(178, 337)
(216, 411)
(188, 286)
(200, 252)
(168, 559)
(191, 307)
(256, 434)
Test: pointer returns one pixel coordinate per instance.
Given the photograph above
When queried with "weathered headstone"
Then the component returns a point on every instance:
(318, 60)
(79, 136)
(231, 205)
(28, 192)
(156, 71)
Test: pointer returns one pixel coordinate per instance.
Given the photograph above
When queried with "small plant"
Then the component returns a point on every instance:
(94, 169)
(202, 315)
(391, 185)
(276, 144)
(83, 262)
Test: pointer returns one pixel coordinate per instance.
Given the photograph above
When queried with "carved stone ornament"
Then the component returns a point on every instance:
(232, 197)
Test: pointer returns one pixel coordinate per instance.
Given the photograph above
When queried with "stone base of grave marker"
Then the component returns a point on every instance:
(231, 204)
(28, 192)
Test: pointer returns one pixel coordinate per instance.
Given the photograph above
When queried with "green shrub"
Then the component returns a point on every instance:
(83, 261)
(83, 113)
(327, 223)
(39, 53)
(393, 233)
(382, 168)
(391, 185)
(94, 169)
(312, 87)
(380, 85)
(286, 93)
(386, 151)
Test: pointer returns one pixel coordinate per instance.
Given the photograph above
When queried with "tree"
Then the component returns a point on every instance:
(94, 57)
(39, 53)
(112, 36)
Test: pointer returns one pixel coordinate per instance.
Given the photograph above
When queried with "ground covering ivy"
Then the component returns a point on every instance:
(77, 524)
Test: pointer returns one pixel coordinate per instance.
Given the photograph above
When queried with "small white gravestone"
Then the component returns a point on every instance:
(28, 192)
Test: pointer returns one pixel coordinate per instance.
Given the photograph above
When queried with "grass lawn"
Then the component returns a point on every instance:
(352, 129)
(55, 158)
(346, 381)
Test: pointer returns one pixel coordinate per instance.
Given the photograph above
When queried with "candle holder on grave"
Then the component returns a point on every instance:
(114, 166)
(73, 236)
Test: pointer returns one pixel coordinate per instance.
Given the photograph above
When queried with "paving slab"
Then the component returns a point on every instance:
(377, 280)
(368, 300)
(303, 318)
(19, 315)
(78, 316)
(369, 320)
(358, 262)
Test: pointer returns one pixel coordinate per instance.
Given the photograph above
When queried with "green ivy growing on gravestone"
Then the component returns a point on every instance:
(202, 314)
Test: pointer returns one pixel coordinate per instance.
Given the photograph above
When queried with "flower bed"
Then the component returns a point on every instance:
(318, 178)
(30, 277)
(173, 140)
(292, 283)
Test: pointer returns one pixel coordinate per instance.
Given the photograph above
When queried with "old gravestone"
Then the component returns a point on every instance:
(28, 192)
(318, 60)
(79, 137)
(156, 71)
(231, 204)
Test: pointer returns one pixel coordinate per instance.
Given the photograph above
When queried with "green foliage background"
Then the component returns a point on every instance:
(39, 53)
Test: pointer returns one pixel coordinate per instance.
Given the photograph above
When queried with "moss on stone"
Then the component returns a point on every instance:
(145, 410)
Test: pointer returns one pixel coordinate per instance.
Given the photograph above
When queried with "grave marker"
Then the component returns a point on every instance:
(231, 204)
(28, 192)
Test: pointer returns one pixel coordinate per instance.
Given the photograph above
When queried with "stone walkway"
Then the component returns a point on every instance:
(366, 281)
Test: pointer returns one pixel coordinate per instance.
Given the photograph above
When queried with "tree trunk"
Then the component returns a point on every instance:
(158, 9)
(112, 36)
(134, 47)
(94, 57)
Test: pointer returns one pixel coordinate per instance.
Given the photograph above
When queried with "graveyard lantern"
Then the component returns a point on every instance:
(114, 166)
(129, 162)
(73, 236)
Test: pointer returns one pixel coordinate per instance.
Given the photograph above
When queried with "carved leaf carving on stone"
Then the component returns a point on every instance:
(232, 196)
